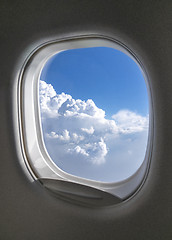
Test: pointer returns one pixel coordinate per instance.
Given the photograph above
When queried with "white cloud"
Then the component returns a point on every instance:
(78, 150)
(64, 136)
(52, 135)
(79, 130)
(50, 102)
(95, 151)
(77, 138)
(88, 130)
(130, 122)
(53, 105)
(99, 151)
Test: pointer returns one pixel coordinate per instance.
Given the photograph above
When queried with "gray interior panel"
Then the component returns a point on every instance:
(27, 210)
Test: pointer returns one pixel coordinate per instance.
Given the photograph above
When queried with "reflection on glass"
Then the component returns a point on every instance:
(94, 113)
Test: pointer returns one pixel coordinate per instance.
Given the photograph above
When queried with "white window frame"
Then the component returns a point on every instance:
(36, 157)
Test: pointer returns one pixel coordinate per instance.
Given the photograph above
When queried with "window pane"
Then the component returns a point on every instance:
(94, 113)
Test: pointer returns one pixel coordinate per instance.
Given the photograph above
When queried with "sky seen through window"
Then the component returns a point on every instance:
(94, 113)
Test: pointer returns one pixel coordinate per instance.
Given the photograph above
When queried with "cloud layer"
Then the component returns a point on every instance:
(78, 130)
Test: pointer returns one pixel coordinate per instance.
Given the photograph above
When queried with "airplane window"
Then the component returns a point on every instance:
(94, 113)
(85, 118)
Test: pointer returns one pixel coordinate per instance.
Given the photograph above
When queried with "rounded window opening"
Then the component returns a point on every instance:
(94, 113)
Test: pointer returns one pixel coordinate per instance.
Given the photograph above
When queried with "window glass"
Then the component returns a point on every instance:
(94, 113)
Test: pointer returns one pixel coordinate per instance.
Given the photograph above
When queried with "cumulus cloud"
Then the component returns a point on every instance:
(64, 136)
(88, 130)
(77, 129)
(130, 122)
(78, 150)
(53, 105)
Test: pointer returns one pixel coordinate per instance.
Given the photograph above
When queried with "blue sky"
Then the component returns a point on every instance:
(108, 76)
(94, 113)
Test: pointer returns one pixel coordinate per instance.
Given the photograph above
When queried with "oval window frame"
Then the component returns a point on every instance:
(36, 157)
